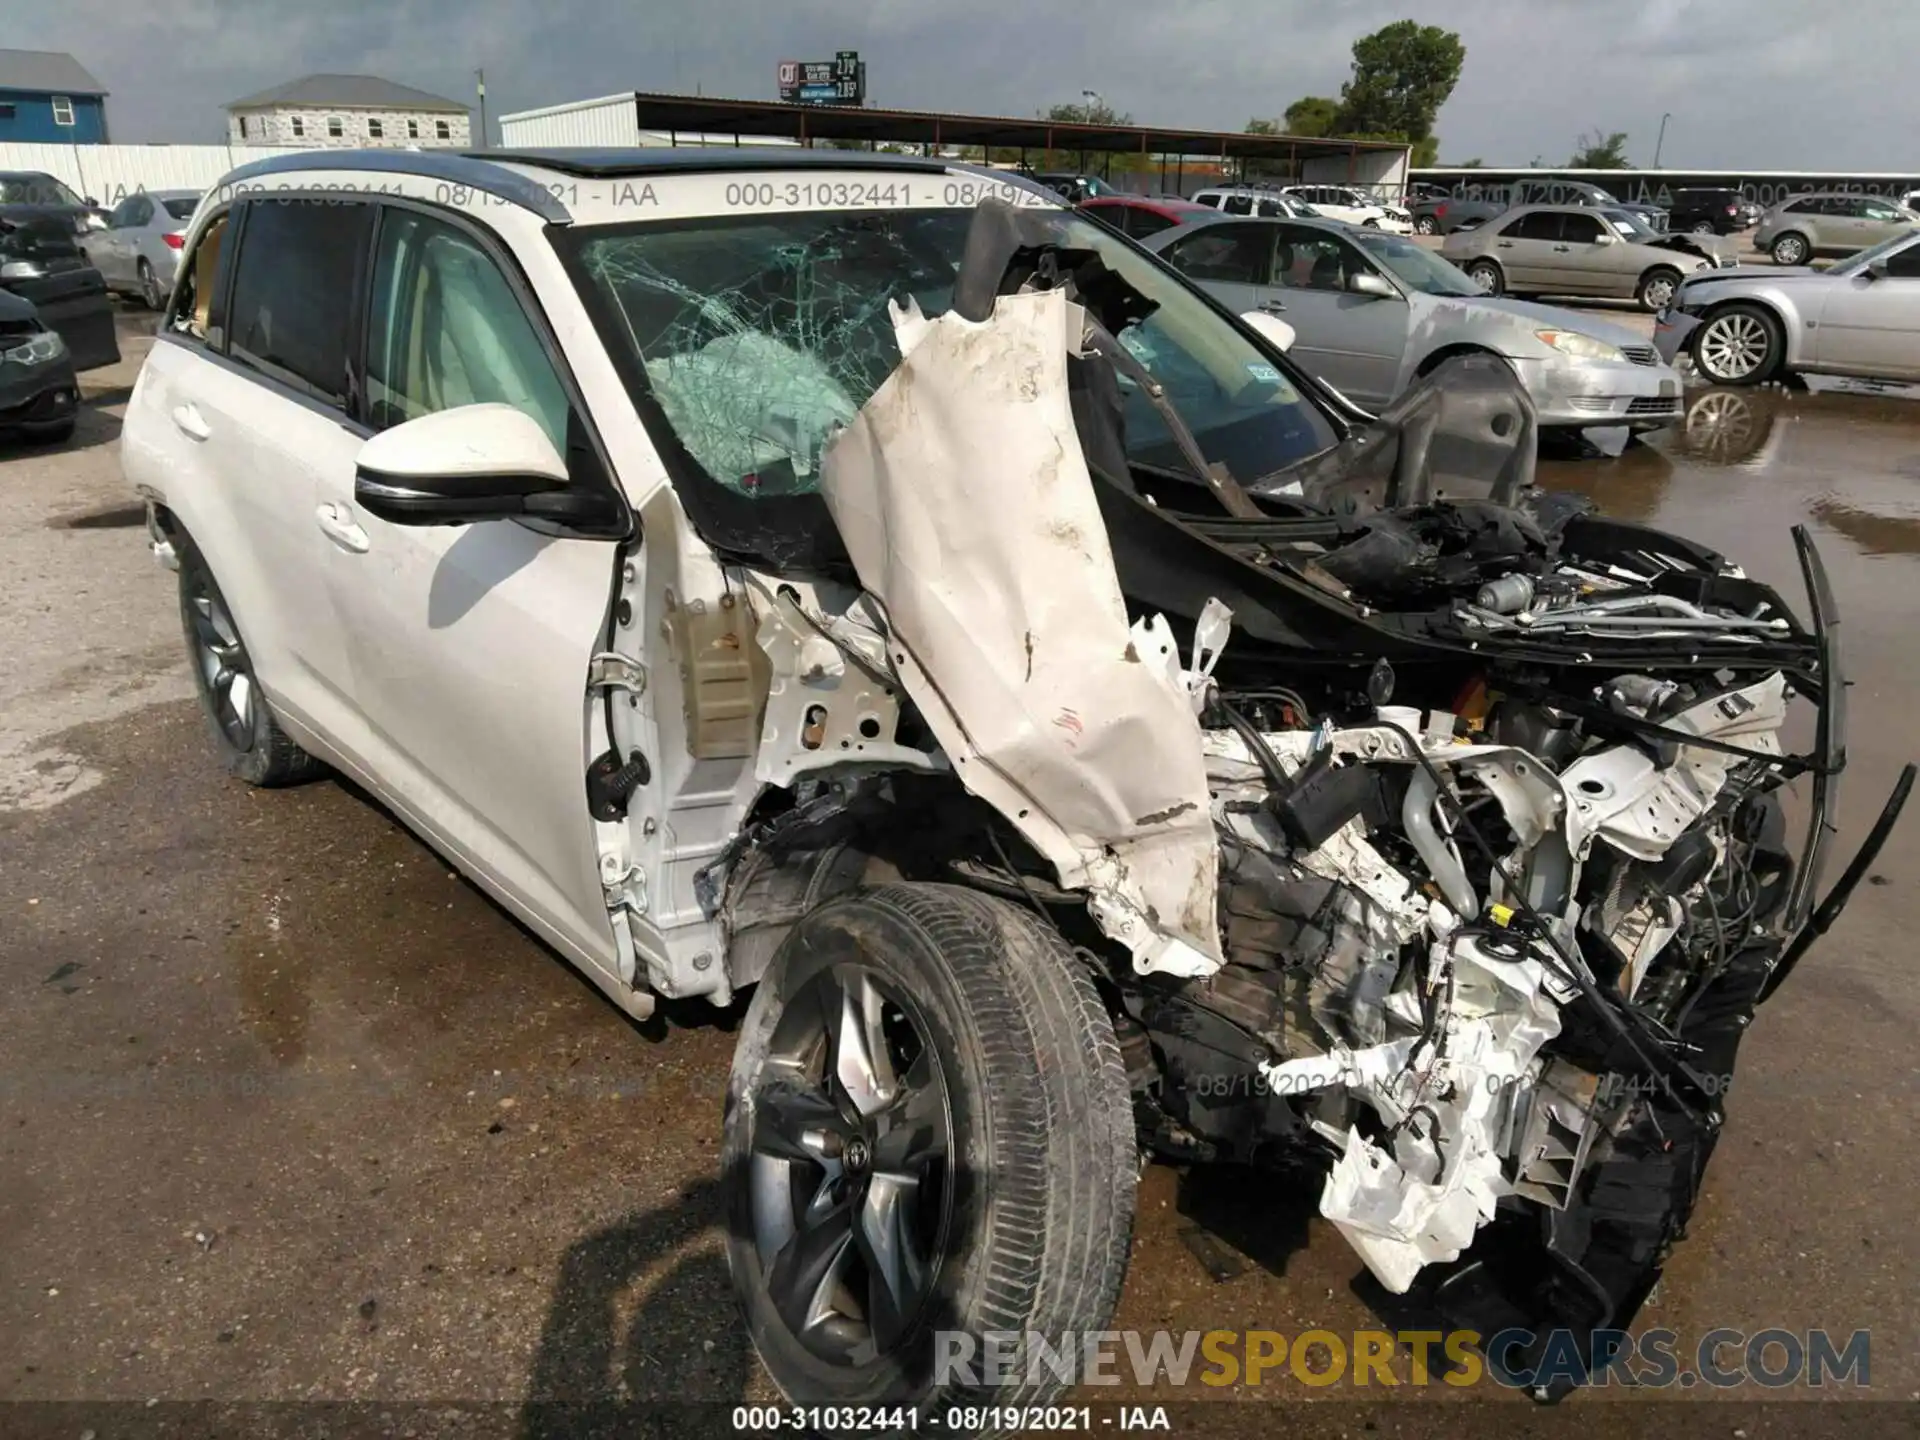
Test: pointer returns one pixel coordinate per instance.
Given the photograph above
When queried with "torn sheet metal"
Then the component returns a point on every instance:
(968, 511)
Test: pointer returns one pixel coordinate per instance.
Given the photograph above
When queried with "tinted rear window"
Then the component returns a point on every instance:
(294, 290)
(183, 207)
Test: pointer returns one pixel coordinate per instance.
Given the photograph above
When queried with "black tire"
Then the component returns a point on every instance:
(151, 295)
(1488, 275)
(1426, 225)
(251, 743)
(1790, 249)
(1704, 227)
(1656, 288)
(1738, 344)
(1027, 1229)
(55, 434)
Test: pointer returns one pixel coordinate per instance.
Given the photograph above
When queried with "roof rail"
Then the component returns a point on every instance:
(455, 169)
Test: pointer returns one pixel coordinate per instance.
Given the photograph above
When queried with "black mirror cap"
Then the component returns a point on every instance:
(546, 503)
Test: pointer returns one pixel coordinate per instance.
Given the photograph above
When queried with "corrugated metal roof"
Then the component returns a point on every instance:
(53, 71)
(347, 92)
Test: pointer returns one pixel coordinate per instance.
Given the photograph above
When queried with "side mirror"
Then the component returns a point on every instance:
(1365, 282)
(1271, 328)
(1607, 237)
(1877, 268)
(458, 466)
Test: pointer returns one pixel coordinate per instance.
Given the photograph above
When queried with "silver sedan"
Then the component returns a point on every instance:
(1754, 323)
(139, 251)
(1373, 313)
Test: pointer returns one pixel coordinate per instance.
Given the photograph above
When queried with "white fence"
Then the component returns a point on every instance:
(110, 173)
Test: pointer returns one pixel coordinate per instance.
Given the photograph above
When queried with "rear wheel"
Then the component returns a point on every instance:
(1703, 227)
(1487, 275)
(1791, 249)
(1738, 345)
(252, 744)
(150, 291)
(1426, 225)
(928, 1134)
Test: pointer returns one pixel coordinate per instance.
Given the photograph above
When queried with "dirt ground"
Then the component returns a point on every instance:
(289, 1113)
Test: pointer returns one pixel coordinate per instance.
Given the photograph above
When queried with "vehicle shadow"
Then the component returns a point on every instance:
(1261, 1215)
(674, 1365)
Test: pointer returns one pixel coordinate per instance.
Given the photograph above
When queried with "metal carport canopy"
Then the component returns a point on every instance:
(774, 118)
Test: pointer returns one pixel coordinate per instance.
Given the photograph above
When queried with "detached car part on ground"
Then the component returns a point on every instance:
(1755, 323)
(1090, 734)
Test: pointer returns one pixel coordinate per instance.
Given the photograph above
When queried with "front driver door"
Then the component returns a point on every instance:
(470, 644)
(1354, 342)
(1870, 324)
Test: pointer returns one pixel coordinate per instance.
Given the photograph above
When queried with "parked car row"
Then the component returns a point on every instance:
(1373, 313)
(39, 394)
(43, 226)
(1571, 250)
(138, 253)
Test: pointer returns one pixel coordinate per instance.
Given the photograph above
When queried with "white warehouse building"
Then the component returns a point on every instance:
(348, 112)
(609, 120)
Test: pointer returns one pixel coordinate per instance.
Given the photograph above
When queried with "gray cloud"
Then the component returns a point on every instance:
(1754, 83)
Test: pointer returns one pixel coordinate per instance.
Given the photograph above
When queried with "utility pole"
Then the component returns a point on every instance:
(1661, 140)
(482, 75)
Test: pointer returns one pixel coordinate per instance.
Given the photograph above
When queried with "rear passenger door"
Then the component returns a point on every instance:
(247, 403)
(1230, 262)
(471, 643)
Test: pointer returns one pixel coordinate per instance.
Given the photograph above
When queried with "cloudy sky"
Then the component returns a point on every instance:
(1776, 84)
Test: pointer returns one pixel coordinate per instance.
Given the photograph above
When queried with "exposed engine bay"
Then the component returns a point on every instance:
(1418, 824)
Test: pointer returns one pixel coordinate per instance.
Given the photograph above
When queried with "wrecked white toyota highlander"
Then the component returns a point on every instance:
(875, 586)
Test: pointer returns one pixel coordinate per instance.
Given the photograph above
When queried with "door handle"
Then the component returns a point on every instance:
(1273, 307)
(1563, 249)
(186, 419)
(336, 523)
(1504, 244)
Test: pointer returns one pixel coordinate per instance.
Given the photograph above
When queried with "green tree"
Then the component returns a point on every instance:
(1314, 115)
(1096, 112)
(1402, 75)
(1601, 152)
(1476, 163)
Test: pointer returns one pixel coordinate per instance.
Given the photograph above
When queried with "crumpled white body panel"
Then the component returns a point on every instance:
(968, 511)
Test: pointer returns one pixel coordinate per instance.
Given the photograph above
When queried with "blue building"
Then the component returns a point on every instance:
(46, 97)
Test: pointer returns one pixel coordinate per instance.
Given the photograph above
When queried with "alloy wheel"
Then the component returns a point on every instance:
(1733, 346)
(1486, 277)
(1790, 251)
(1658, 293)
(850, 1166)
(150, 288)
(1703, 227)
(222, 659)
(1426, 226)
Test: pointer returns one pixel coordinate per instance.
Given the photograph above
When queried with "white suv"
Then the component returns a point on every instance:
(772, 570)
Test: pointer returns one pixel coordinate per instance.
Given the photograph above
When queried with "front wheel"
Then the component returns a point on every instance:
(928, 1137)
(1738, 345)
(1426, 225)
(1656, 289)
(150, 292)
(1487, 275)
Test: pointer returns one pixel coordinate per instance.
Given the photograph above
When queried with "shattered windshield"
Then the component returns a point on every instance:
(759, 336)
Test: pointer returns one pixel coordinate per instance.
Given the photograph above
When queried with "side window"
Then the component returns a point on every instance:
(299, 128)
(1145, 222)
(446, 329)
(198, 312)
(413, 129)
(1905, 263)
(1233, 254)
(1878, 210)
(118, 219)
(442, 130)
(1308, 259)
(294, 291)
(1579, 229)
(1237, 204)
(141, 212)
(1534, 225)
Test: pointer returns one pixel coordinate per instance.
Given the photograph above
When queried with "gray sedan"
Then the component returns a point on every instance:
(1754, 323)
(139, 251)
(1567, 250)
(1372, 313)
